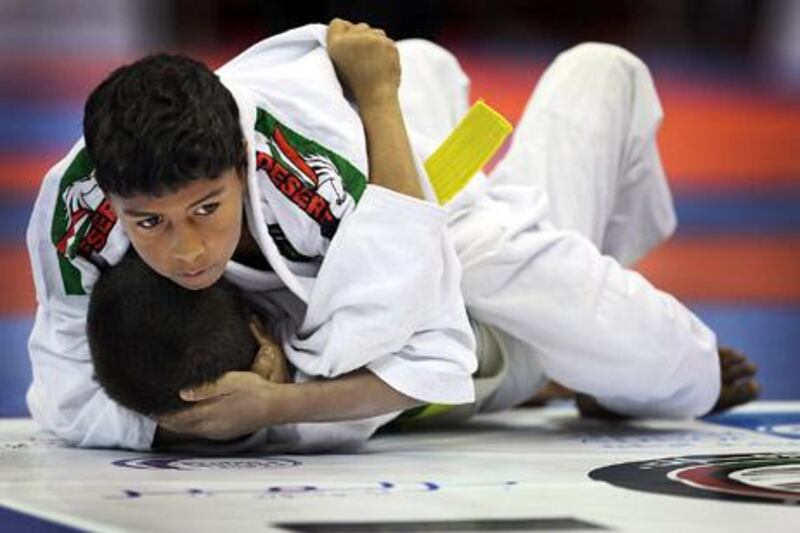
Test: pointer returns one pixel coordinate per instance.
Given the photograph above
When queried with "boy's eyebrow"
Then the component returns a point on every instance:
(215, 192)
(208, 196)
(135, 213)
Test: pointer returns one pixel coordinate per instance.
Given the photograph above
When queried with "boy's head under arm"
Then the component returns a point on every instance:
(150, 338)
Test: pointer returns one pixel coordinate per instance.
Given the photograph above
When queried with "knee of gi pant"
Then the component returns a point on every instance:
(604, 57)
(632, 84)
(434, 89)
(432, 58)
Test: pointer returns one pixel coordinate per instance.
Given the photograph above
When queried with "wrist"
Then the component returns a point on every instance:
(377, 101)
(283, 403)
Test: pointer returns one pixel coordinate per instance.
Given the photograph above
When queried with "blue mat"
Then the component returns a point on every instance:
(16, 374)
(780, 424)
(18, 522)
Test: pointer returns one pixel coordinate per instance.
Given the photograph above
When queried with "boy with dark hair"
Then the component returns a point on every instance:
(363, 278)
(159, 126)
(266, 220)
(150, 338)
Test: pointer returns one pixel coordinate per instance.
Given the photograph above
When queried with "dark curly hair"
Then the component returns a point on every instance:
(149, 338)
(159, 123)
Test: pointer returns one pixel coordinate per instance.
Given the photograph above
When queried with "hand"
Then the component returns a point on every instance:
(589, 407)
(738, 380)
(366, 61)
(270, 362)
(236, 404)
(550, 392)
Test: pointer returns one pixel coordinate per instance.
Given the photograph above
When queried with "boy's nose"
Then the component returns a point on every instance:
(188, 248)
(189, 256)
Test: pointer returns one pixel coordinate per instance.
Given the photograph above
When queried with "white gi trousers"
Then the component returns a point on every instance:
(544, 241)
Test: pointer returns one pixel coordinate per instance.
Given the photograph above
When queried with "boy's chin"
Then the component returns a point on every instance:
(198, 280)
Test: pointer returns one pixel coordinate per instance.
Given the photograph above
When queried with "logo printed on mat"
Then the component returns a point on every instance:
(756, 477)
(189, 463)
(317, 490)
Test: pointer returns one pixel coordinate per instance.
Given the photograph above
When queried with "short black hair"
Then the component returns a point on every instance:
(149, 338)
(156, 124)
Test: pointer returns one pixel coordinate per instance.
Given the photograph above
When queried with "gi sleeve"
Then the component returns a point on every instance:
(323, 436)
(68, 230)
(387, 297)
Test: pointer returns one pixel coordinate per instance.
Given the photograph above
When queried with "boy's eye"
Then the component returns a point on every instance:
(149, 222)
(207, 209)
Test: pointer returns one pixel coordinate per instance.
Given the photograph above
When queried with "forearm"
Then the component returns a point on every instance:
(391, 163)
(368, 65)
(240, 403)
(357, 395)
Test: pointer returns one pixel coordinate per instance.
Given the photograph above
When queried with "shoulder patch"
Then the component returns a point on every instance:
(320, 182)
(82, 220)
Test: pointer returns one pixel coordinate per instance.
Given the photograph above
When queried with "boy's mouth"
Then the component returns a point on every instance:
(196, 279)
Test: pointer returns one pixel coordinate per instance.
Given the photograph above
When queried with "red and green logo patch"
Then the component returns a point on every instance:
(82, 220)
(317, 180)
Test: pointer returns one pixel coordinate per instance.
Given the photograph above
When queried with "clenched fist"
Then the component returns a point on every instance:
(366, 61)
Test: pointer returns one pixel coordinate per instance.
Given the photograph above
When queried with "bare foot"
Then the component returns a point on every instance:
(739, 385)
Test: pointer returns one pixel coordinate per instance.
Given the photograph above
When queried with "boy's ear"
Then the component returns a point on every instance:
(257, 328)
(111, 204)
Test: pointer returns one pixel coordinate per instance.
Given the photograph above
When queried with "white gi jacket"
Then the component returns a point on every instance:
(383, 294)
(542, 245)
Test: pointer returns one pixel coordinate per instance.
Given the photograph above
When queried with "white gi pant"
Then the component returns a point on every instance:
(580, 193)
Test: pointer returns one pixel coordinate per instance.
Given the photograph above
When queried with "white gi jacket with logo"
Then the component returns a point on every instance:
(383, 294)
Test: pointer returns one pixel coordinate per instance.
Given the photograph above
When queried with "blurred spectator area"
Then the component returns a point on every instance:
(744, 27)
(728, 72)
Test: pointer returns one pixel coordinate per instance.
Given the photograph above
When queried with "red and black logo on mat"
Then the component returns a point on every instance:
(758, 477)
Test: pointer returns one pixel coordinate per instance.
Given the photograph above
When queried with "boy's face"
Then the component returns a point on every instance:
(187, 236)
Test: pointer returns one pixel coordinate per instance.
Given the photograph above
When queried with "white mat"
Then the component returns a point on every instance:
(530, 464)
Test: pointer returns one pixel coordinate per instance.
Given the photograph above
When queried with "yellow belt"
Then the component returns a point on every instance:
(466, 150)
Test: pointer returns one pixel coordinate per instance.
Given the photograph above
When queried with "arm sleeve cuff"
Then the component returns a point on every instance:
(429, 387)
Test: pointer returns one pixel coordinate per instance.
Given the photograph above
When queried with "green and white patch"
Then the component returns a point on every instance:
(82, 220)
